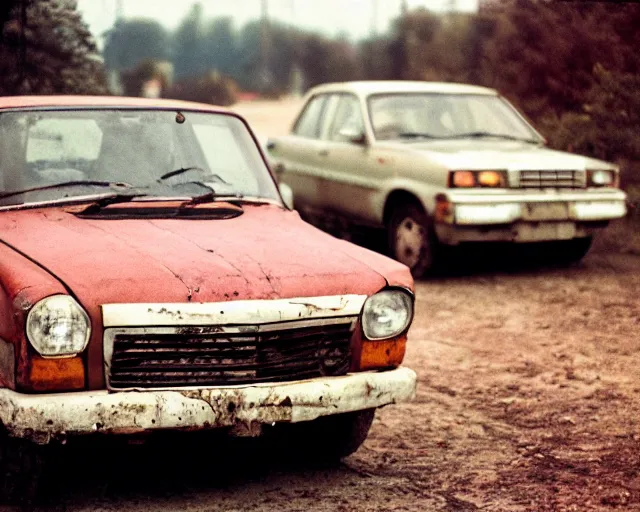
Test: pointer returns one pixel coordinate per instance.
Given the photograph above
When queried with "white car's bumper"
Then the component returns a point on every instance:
(525, 217)
(45, 417)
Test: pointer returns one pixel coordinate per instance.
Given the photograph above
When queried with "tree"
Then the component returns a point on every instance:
(187, 45)
(131, 42)
(45, 48)
(220, 47)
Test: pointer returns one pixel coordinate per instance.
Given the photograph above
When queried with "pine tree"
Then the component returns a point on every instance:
(46, 48)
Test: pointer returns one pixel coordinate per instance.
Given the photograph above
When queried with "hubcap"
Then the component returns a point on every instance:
(411, 239)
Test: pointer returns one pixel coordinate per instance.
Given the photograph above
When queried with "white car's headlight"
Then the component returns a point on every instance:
(58, 326)
(387, 314)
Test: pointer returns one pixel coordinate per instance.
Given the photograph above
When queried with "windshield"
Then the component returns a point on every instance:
(445, 116)
(136, 147)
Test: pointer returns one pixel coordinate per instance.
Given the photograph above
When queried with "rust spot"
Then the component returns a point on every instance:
(286, 402)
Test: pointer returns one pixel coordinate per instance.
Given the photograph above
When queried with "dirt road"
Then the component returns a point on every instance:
(528, 400)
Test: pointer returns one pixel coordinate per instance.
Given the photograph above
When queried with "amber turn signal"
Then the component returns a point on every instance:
(444, 209)
(55, 374)
(383, 353)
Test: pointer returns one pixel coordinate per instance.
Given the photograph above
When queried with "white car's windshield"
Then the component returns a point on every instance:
(154, 152)
(446, 116)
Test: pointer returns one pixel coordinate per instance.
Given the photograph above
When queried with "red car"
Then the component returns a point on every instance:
(152, 278)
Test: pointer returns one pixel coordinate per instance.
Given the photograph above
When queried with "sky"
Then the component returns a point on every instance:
(352, 17)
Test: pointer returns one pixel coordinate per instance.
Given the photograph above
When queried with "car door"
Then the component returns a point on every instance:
(298, 158)
(353, 169)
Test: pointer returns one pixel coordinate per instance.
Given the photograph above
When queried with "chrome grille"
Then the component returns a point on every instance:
(552, 179)
(210, 356)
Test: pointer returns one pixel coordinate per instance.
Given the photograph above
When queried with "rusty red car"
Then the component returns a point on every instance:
(152, 278)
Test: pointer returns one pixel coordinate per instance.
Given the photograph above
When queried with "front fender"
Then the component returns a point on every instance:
(22, 284)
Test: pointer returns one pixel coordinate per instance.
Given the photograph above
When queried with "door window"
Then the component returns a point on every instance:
(348, 122)
(309, 122)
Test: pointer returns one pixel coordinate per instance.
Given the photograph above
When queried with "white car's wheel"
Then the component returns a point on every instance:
(412, 240)
(571, 251)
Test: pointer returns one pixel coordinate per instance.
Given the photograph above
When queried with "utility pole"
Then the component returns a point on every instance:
(265, 77)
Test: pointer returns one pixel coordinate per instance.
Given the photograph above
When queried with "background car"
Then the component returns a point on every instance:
(440, 164)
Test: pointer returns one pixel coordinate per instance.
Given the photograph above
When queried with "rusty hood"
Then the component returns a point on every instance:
(265, 253)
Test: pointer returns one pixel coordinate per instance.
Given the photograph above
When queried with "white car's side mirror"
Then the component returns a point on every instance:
(352, 135)
(287, 194)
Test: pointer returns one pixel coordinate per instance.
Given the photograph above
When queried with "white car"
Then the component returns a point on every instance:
(439, 164)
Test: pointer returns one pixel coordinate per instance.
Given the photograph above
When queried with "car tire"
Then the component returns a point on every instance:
(572, 251)
(22, 465)
(413, 241)
(327, 439)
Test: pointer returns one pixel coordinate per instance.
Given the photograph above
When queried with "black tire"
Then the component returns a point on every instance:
(327, 439)
(571, 251)
(22, 465)
(424, 252)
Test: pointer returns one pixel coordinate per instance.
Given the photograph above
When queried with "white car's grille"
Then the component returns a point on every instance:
(552, 179)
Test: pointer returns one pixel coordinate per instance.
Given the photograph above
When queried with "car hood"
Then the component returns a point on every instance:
(491, 154)
(265, 253)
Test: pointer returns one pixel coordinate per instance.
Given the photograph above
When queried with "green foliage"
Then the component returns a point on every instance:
(187, 44)
(45, 48)
(131, 42)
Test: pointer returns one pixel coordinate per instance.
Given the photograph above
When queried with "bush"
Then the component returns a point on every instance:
(209, 88)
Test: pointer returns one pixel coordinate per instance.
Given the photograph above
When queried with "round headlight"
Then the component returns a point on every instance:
(57, 326)
(387, 314)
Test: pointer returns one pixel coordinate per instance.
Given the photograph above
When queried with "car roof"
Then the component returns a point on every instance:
(12, 102)
(365, 88)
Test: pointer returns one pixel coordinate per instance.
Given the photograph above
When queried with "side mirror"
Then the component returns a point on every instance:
(353, 135)
(287, 195)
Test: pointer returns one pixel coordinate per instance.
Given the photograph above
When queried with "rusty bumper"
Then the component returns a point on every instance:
(42, 418)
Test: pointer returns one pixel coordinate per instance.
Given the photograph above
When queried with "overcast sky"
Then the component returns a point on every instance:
(353, 17)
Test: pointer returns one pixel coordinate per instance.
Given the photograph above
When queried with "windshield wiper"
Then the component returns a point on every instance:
(64, 184)
(212, 195)
(183, 170)
(417, 135)
(481, 134)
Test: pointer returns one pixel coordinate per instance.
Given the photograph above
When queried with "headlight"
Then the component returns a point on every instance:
(471, 179)
(387, 314)
(601, 178)
(57, 326)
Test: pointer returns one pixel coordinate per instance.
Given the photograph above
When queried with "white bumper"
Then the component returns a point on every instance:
(483, 216)
(45, 417)
(482, 209)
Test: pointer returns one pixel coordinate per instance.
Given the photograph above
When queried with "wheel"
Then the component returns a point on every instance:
(412, 239)
(571, 251)
(22, 465)
(327, 439)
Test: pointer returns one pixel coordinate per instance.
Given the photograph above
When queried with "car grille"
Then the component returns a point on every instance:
(206, 356)
(552, 179)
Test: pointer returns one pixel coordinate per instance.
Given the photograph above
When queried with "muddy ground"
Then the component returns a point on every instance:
(528, 400)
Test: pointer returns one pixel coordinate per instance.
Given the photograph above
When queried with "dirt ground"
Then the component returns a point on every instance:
(528, 400)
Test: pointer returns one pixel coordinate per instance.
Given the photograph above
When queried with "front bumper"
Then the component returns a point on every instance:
(42, 418)
(528, 216)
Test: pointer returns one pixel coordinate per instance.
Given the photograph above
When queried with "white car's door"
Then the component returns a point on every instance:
(298, 158)
(353, 170)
